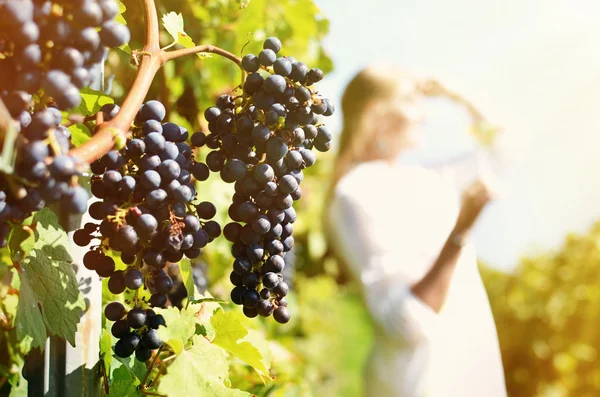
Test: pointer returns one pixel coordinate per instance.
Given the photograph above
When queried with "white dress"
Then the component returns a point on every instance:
(390, 223)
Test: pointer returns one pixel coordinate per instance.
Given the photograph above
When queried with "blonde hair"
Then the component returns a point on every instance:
(369, 98)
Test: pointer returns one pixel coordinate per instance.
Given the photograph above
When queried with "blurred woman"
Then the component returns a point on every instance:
(404, 233)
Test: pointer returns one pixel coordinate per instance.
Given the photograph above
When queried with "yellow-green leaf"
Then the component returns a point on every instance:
(230, 334)
(181, 326)
(200, 371)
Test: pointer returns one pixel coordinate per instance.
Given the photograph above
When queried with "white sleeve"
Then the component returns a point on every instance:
(393, 306)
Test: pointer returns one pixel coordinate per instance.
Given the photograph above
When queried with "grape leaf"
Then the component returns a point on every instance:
(230, 334)
(200, 371)
(20, 241)
(123, 384)
(80, 134)
(106, 349)
(185, 268)
(29, 321)
(136, 368)
(173, 23)
(49, 289)
(92, 101)
(119, 18)
(181, 326)
(18, 386)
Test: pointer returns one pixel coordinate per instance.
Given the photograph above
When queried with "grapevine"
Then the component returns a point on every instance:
(148, 207)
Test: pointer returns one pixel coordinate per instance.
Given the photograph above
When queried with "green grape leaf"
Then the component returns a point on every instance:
(185, 268)
(125, 48)
(29, 321)
(16, 279)
(80, 134)
(230, 334)
(135, 368)
(119, 18)
(173, 23)
(92, 101)
(106, 350)
(20, 241)
(181, 326)
(49, 289)
(18, 386)
(123, 384)
(200, 371)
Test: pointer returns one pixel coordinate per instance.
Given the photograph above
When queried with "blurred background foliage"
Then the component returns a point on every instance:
(546, 312)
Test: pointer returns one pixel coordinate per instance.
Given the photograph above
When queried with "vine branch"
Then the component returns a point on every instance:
(167, 56)
(153, 57)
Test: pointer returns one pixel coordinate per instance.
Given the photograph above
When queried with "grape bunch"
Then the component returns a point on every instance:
(47, 50)
(43, 172)
(52, 45)
(136, 330)
(262, 141)
(148, 214)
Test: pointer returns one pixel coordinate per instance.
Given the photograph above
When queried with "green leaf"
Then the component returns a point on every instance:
(185, 268)
(9, 305)
(106, 350)
(20, 241)
(135, 368)
(230, 334)
(185, 40)
(80, 134)
(123, 384)
(200, 371)
(119, 18)
(125, 48)
(181, 326)
(49, 289)
(173, 23)
(29, 321)
(92, 101)
(18, 389)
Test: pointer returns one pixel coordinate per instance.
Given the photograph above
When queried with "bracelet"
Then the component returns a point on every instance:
(458, 239)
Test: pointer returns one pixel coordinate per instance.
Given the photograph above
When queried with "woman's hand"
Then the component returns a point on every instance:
(474, 199)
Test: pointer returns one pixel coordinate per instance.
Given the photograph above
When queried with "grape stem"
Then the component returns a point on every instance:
(5, 120)
(151, 367)
(153, 58)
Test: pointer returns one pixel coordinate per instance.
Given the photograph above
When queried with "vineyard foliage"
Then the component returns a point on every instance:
(209, 348)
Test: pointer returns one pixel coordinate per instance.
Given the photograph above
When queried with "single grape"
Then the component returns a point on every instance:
(134, 279)
(250, 63)
(114, 311)
(136, 318)
(273, 44)
(143, 354)
(281, 315)
(151, 340)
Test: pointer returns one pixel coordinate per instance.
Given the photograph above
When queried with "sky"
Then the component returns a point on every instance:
(531, 66)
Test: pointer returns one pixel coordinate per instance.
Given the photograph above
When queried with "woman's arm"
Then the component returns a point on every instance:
(432, 289)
